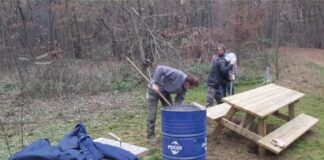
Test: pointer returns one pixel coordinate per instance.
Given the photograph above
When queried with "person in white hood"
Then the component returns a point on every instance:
(228, 86)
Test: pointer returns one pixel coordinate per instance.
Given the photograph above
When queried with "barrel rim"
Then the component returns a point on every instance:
(202, 156)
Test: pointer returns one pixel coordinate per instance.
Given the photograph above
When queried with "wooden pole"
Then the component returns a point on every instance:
(148, 81)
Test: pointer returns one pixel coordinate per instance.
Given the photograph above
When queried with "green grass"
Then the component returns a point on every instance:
(316, 69)
(311, 145)
(129, 125)
(6, 87)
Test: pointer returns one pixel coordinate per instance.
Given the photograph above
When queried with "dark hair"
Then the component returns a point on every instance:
(192, 80)
(221, 45)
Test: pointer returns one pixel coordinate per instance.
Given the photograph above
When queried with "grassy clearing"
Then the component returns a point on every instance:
(317, 70)
(130, 126)
(129, 122)
(311, 145)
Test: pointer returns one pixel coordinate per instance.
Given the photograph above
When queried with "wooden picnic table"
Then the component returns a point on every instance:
(258, 104)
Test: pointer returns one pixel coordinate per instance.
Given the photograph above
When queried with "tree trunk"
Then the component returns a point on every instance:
(113, 39)
(25, 41)
(138, 37)
(50, 24)
(76, 37)
(6, 60)
(276, 33)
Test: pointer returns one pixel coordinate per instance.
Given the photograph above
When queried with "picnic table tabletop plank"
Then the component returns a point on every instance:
(270, 99)
(270, 108)
(264, 100)
(268, 96)
(252, 92)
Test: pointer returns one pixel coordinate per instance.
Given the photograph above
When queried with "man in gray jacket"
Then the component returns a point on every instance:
(168, 81)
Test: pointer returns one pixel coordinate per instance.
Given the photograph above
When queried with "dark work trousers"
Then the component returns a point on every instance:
(214, 94)
(226, 86)
(152, 102)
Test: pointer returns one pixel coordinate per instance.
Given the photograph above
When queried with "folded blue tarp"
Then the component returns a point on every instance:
(76, 145)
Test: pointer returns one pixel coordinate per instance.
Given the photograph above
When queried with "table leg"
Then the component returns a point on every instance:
(246, 120)
(249, 123)
(219, 127)
(281, 116)
(262, 131)
(291, 111)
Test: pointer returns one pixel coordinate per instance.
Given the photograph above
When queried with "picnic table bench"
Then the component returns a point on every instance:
(258, 104)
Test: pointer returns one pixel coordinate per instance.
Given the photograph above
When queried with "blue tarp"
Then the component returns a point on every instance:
(76, 145)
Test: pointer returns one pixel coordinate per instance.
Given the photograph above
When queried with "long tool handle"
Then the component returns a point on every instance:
(148, 81)
(231, 88)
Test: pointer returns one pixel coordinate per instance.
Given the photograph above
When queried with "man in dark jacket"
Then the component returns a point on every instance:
(218, 74)
(168, 81)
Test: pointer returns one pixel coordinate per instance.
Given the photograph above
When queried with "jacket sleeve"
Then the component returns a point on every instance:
(158, 76)
(180, 97)
(224, 68)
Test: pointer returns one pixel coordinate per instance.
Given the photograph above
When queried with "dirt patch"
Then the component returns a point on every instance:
(232, 146)
(300, 55)
(39, 112)
(294, 72)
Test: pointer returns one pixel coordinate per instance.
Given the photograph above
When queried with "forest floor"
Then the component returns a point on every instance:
(124, 113)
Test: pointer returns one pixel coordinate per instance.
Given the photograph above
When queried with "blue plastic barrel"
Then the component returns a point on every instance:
(183, 133)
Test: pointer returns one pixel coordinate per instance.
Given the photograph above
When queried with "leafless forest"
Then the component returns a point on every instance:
(59, 48)
(42, 40)
(32, 30)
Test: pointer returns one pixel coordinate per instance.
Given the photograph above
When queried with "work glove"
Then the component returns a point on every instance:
(232, 77)
(233, 61)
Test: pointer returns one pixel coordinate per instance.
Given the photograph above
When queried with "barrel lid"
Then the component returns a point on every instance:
(181, 108)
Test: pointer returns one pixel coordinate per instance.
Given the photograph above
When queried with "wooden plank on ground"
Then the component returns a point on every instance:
(218, 111)
(136, 150)
(288, 133)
